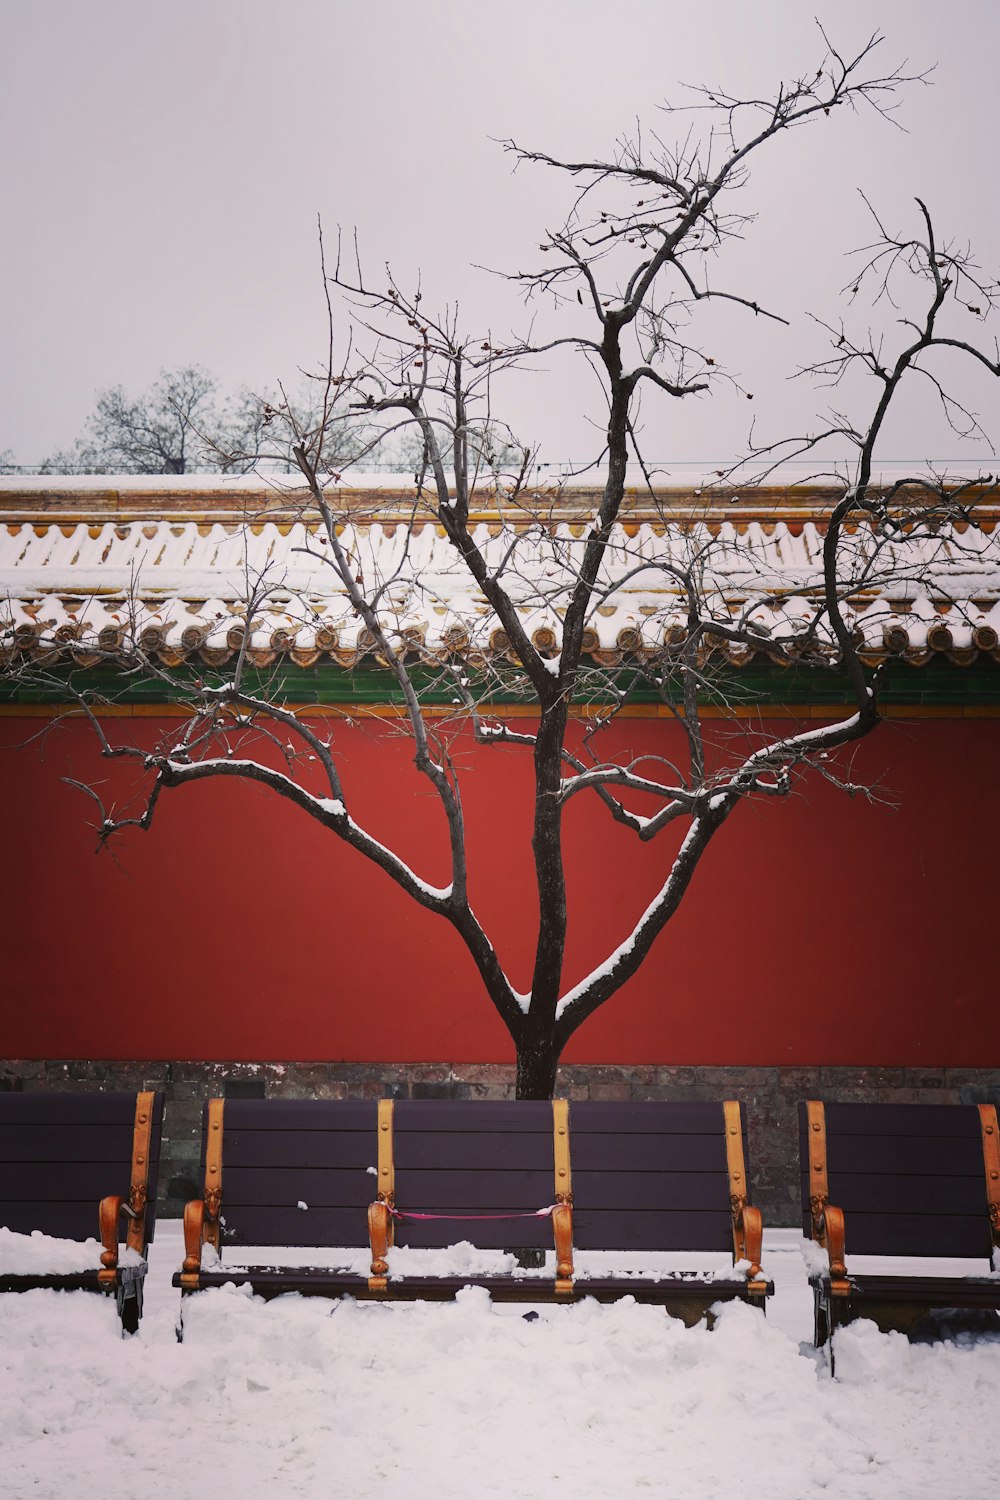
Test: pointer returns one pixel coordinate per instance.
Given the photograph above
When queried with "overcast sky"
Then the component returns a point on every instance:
(163, 165)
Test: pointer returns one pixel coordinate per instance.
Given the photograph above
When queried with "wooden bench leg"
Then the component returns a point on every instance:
(129, 1299)
(821, 1320)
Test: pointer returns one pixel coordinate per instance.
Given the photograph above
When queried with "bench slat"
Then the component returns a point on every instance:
(68, 1221)
(300, 1114)
(292, 1226)
(897, 1155)
(651, 1153)
(61, 1182)
(305, 1148)
(654, 1117)
(481, 1191)
(67, 1109)
(934, 1120)
(908, 1193)
(267, 1187)
(495, 1116)
(80, 1142)
(659, 1191)
(935, 1291)
(596, 1229)
(964, 1236)
(502, 1234)
(476, 1151)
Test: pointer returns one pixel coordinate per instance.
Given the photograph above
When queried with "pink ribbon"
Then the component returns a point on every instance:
(536, 1213)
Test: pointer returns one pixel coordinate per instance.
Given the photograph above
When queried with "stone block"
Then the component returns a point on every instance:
(445, 1089)
(302, 1081)
(182, 1117)
(919, 1096)
(670, 1077)
(800, 1083)
(191, 1088)
(676, 1093)
(972, 1077)
(487, 1075)
(243, 1088)
(973, 1093)
(179, 1149)
(618, 1089)
(23, 1067)
(209, 1074)
(427, 1073)
(178, 1190)
(727, 1081)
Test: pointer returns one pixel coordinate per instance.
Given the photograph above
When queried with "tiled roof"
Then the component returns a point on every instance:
(178, 587)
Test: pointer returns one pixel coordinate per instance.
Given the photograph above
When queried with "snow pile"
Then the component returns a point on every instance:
(465, 1259)
(38, 1254)
(309, 1400)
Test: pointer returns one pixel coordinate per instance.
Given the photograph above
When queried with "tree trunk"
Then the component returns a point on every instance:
(537, 1062)
(536, 1070)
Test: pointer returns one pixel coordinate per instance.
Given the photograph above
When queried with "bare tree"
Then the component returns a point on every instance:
(631, 265)
(154, 433)
(181, 426)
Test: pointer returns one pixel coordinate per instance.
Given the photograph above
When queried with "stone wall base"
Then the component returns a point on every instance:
(770, 1095)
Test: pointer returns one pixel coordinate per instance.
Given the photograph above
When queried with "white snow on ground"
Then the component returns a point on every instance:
(304, 1398)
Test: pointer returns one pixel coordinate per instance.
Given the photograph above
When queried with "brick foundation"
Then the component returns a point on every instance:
(770, 1095)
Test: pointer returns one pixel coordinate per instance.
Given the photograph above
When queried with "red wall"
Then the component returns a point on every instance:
(823, 929)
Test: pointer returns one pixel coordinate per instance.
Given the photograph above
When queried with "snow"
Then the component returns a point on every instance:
(144, 484)
(312, 1400)
(184, 584)
(331, 805)
(38, 1254)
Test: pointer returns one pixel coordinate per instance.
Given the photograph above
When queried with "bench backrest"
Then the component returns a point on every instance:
(279, 1153)
(910, 1178)
(60, 1154)
(461, 1156)
(653, 1176)
(644, 1176)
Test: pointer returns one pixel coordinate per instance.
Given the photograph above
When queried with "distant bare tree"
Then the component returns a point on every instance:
(180, 426)
(155, 433)
(631, 264)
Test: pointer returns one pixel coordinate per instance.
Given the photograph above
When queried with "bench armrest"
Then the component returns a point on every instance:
(379, 1225)
(562, 1231)
(831, 1234)
(749, 1226)
(194, 1233)
(109, 1211)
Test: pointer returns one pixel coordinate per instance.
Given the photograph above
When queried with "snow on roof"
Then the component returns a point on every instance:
(179, 587)
(195, 484)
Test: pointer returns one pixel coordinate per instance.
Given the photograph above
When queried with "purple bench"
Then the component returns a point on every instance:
(74, 1166)
(914, 1180)
(521, 1176)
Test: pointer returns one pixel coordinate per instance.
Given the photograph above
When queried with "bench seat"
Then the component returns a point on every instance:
(518, 1176)
(72, 1166)
(127, 1280)
(921, 1181)
(688, 1295)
